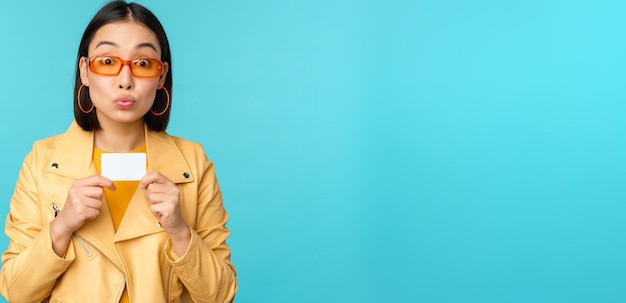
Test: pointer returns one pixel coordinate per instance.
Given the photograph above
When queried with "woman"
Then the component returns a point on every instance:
(78, 236)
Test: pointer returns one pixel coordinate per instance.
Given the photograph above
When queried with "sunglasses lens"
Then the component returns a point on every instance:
(111, 66)
(146, 67)
(106, 65)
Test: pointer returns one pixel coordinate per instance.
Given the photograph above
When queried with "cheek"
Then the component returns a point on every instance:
(97, 89)
(148, 91)
(149, 100)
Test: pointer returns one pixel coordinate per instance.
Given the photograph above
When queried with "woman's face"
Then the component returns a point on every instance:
(122, 98)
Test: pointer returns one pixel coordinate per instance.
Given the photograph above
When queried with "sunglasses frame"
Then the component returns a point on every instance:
(124, 62)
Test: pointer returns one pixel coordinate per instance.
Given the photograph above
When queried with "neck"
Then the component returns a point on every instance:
(120, 138)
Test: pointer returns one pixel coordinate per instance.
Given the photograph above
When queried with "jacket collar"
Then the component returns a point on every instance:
(73, 155)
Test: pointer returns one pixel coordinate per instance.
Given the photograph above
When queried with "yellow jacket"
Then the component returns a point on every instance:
(99, 262)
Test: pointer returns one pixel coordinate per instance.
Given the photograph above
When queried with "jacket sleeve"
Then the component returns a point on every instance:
(29, 265)
(205, 269)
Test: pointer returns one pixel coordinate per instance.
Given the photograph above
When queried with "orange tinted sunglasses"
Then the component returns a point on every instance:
(112, 66)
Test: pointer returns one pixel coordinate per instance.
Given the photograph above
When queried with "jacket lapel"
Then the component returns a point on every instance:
(138, 219)
(73, 156)
(73, 159)
(163, 156)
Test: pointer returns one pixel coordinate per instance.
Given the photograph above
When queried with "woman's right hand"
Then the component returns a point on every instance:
(83, 203)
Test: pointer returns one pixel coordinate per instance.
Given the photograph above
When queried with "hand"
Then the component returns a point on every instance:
(164, 198)
(83, 202)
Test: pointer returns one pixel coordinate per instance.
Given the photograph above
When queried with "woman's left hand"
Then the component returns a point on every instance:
(164, 198)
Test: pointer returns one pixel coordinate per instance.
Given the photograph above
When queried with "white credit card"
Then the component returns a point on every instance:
(123, 166)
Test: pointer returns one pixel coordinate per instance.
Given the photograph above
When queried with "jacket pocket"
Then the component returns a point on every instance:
(53, 209)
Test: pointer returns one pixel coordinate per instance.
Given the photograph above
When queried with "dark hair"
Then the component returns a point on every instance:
(117, 11)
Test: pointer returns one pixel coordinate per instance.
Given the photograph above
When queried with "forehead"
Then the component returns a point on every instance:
(124, 37)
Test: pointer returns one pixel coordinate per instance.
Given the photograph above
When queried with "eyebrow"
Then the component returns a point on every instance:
(145, 44)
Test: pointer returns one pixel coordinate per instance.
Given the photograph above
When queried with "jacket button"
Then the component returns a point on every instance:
(186, 175)
(55, 166)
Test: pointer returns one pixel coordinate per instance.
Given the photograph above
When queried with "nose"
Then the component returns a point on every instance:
(125, 78)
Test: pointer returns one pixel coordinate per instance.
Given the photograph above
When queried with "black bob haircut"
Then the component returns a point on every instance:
(117, 11)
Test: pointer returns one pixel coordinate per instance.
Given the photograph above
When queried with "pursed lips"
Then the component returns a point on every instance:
(124, 102)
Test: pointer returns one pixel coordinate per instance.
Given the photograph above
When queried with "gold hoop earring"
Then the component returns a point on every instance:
(167, 105)
(78, 100)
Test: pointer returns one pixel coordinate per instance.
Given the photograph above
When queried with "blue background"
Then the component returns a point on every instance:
(379, 151)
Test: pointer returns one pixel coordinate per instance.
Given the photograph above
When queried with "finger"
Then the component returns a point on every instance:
(156, 211)
(96, 180)
(91, 192)
(163, 208)
(159, 188)
(147, 179)
(92, 203)
(86, 209)
(156, 198)
(79, 194)
(153, 177)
